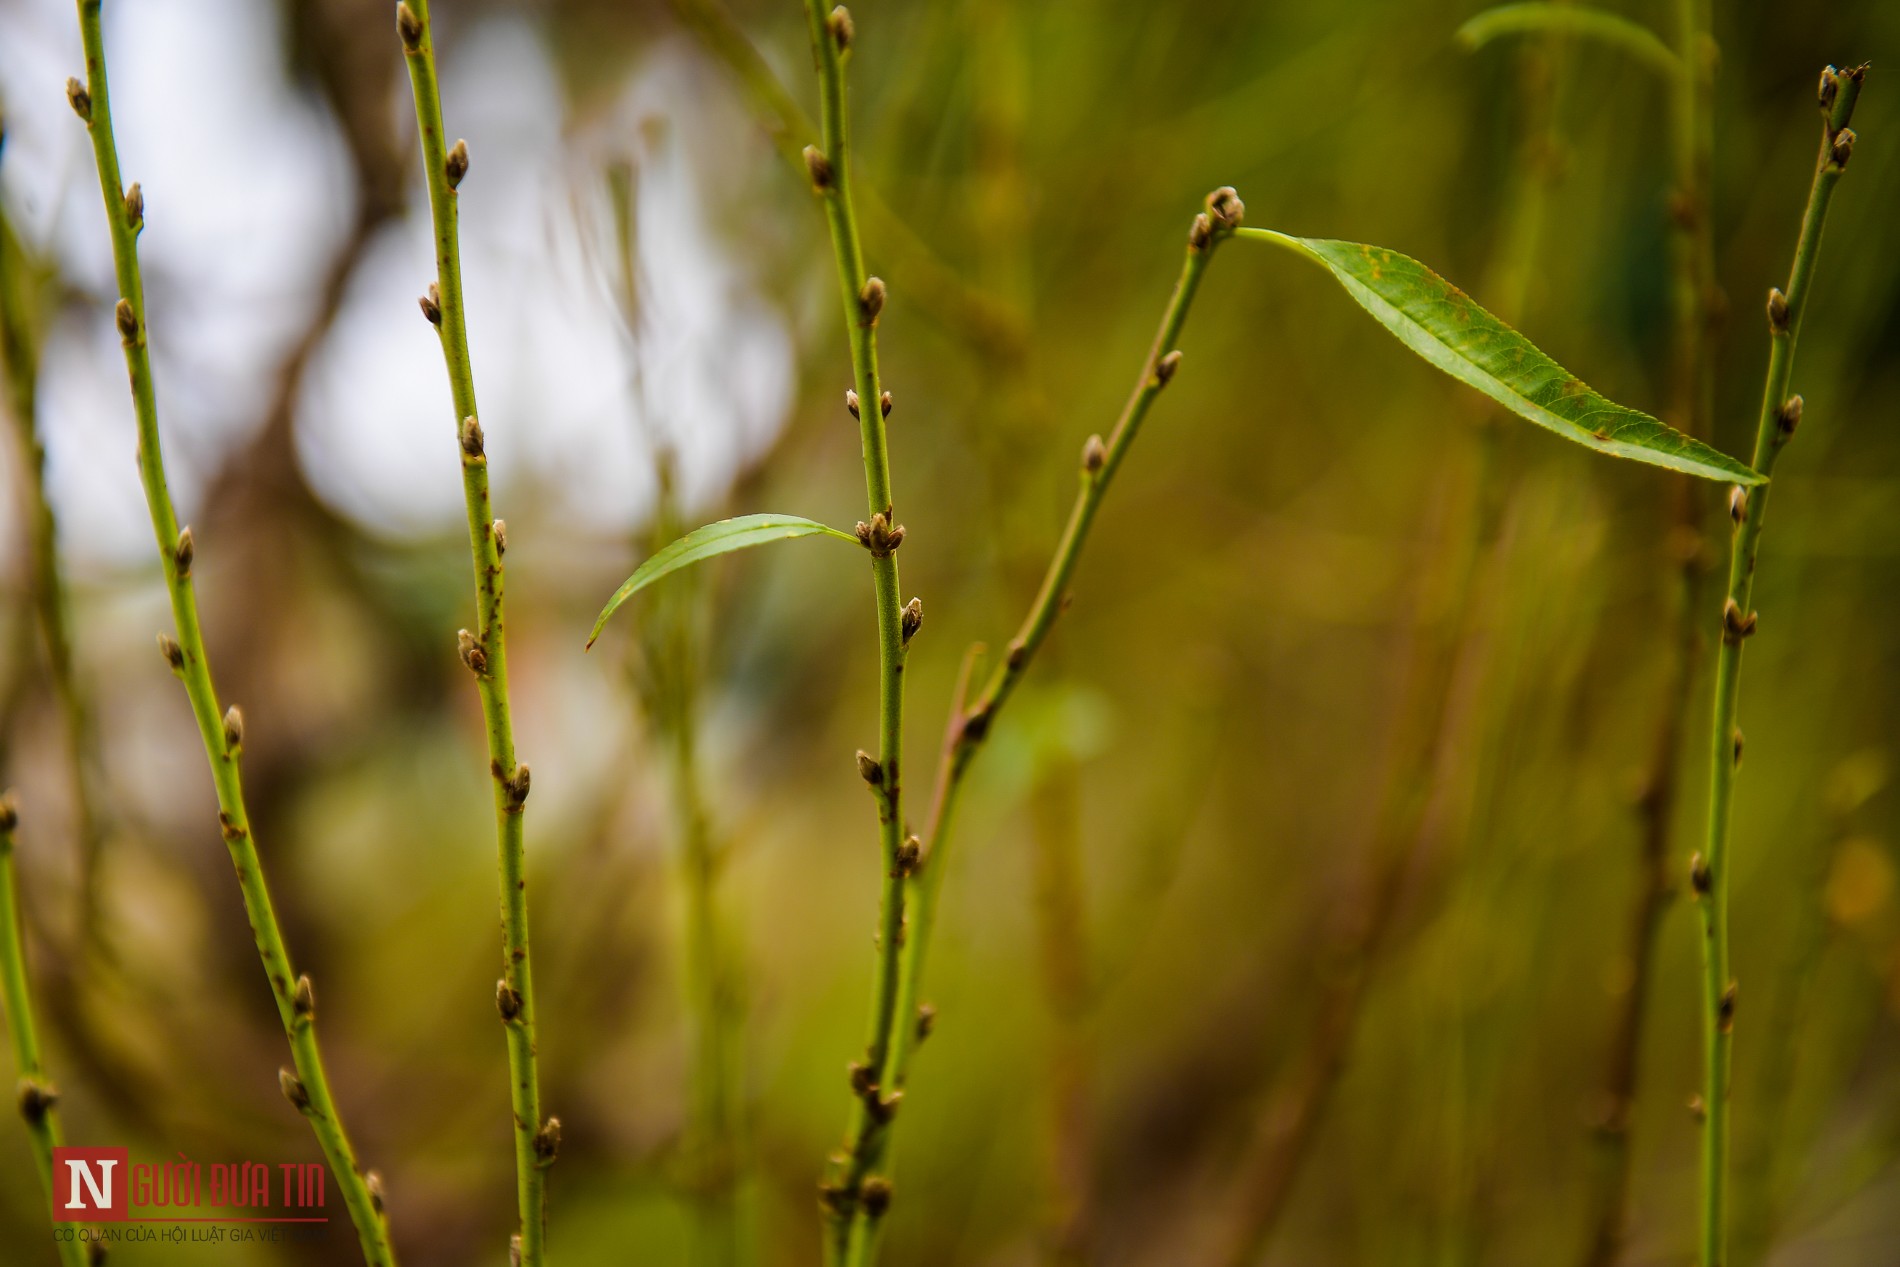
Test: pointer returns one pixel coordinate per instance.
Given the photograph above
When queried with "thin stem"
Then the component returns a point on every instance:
(971, 719)
(485, 650)
(853, 1210)
(1693, 298)
(1780, 413)
(939, 287)
(20, 279)
(38, 1097)
(222, 733)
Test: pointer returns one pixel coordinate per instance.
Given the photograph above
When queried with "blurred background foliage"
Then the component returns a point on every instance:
(1219, 855)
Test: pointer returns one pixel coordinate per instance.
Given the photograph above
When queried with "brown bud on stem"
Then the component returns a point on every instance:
(233, 730)
(1725, 1009)
(294, 1090)
(842, 30)
(1200, 232)
(1736, 743)
(1166, 367)
(455, 166)
(1094, 455)
(909, 854)
(409, 27)
(303, 1000)
(500, 529)
(173, 653)
(474, 443)
(819, 168)
(1830, 88)
(1789, 416)
(79, 99)
(912, 619)
(1842, 149)
(431, 305)
(1736, 626)
(184, 551)
(926, 1021)
(135, 206)
(127, 320)
(374, 1182)
(1777, 311)
(1225, 208)
(36, 1100)
(871, 301)
(507, 1002)
(517, 788)
(471, 652)
(1699, 877)
(851, 402)
(884, 404)
(547, 1141)
(1738, 504)
(876, 1196)
(868, 768)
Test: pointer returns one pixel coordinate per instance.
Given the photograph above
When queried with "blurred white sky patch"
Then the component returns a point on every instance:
(571, 405)
(249, 193)
(247, 190)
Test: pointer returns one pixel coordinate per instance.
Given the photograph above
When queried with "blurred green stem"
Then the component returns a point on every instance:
(1780, 413)
(38, 1099)
(485, 651)
(854, 1208)
(971, 720)
(222, 733)
(20, 285)
(941, 290)
(1694, 302)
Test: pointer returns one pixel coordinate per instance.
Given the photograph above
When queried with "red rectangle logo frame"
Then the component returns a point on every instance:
(91, 1185)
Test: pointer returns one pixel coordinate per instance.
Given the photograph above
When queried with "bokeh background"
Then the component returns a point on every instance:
(1315, 841)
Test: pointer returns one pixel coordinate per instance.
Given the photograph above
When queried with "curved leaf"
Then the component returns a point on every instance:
(1441, 323)
(703, 543)
(1573, 19)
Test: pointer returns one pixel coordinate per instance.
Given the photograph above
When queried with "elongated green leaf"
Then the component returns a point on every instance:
(1573, 19)
(1441, 323)
(703, 543)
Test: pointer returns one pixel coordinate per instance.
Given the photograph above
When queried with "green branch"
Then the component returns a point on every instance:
(853, 1208)
(38, 1098)
(1709, 870)
(308, 1088)
(1573, 19)
(484, 651)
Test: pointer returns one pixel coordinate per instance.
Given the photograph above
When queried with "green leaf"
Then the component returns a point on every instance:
(703, 543)
(1573, 19)
(1441, 323)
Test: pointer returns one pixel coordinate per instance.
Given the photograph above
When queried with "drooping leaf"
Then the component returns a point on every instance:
(1442, 324)
(1584, 20)
(713, 539)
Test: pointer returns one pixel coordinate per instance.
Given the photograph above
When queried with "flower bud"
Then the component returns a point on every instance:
(547, 1141)
(884, 404)
(294, 1090)
(455, 166)
(1225, 208)
(233, 729)
(912, 619)
(1199, 232)
(871, 300)
(128, 321)
(408, 26)
(79, 99)
(135, 206)
(1842, 148)
(303, 1001)
(473, 442)
(819, 168)
(1094, 455)
(507, 1001)
(374, 1182)
(431, 304)
(868, 768)
(1777, 311)
(1789, 416)
(185, 551)
(173, 653)
(841, 28)
(1166, 366)
(851, 402)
